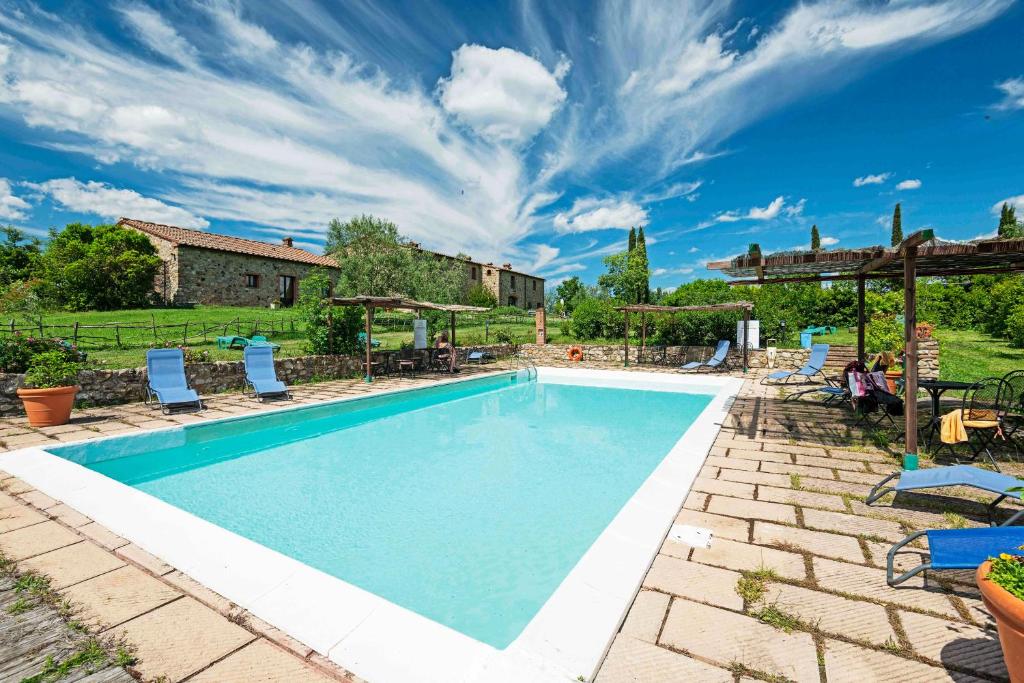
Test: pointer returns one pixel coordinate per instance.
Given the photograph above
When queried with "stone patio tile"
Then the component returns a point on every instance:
(77, 435)
(720, 526)
(277, 636)
(797, 497)
(730, 463)
(802, 470)
(38, 499)
(816, 542)
(853, 524)
(180, 639)
(752, 509)
(7, 500)
(708, 472)
(725, 637)
(723, 487)
(35, 540)
(73, 563)
(155, 424)
(905, 559)
(16, 486)
(68, 515)
(833, 614)
(646, 616)
(794, 449)
(19, 516)
(633, 661)
(955, 644)
(921, 519)
(145, 560)
(833, 486)
(830, 463)
(765, 478)
(112, 427)
(190, 586)
(696, 581)
(867, 582)
(103, 536)
(115, 597)
(261, 662)
(25, 440)
(869, 478)
(870, 456)
(695, 500)
(746, 454)
(848, 663)
(748, 557)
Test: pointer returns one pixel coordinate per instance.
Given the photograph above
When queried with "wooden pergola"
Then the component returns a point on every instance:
(398, 303)
(644, 309)
(919, 255)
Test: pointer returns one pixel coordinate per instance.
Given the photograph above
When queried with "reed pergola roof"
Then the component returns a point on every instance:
(653, 308)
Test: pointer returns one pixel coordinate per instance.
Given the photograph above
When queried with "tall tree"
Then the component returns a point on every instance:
(897, 227)
(632, 241)
(1008, 225)
(815, 238)
(643, 269)
(570, 293)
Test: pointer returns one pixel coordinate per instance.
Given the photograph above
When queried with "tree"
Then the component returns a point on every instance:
(18, 256)
(103, 267)
(478, 295)
(897, 227)
(641, 270)
(815, 238)
(570, 293)
(632, 241)
(613, 282)
(1008, 225)
(329, 329)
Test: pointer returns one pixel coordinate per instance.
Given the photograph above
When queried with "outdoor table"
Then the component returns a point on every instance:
(936, 388)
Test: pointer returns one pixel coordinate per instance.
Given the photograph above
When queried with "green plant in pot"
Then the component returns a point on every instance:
(1001, 581)
(49, 389)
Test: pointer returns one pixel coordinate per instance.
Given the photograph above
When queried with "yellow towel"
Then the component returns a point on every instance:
(952, 430)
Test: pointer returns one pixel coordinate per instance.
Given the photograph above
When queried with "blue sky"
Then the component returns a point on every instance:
(535, 133)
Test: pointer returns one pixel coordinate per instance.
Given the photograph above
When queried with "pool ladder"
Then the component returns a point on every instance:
(519, 361)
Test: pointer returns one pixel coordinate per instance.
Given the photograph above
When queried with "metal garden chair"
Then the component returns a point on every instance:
(1013, 404)
(982, 413)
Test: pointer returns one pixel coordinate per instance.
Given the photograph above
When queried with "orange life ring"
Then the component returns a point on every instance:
(575, 354)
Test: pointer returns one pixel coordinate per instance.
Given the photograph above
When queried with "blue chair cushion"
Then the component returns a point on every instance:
(781, 374)
(269, 386)
(692, 365)
(958, 475)
(967, 548)
(171, 395)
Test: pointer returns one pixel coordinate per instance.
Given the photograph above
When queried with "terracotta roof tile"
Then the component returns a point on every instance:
(237, 245)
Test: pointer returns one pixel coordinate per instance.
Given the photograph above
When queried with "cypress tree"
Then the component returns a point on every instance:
(632, 241)
(815, 238)
(643, 267)
(1007, 220)
(897, 227)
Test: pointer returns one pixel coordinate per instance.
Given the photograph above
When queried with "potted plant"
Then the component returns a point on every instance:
(49, 390)
(1001, 581)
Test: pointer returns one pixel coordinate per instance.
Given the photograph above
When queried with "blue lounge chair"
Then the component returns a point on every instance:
(165, 372)
(819, 354)
(260, 375)
(361, 339)
(718, 359)
(239, 342)
(953, 475)
(957, 549)
(479, 357)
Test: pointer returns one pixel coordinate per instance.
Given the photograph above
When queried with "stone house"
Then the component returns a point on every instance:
(207, 268)
(510, 287)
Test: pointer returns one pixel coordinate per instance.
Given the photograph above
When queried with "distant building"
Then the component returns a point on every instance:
(510, 287)
(206, 268)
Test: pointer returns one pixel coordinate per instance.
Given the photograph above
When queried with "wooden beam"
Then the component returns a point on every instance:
(625, 353)
(910, 356)
(915, 239)
(929, 272)
(861, 322)
(643, 339)
(746, 325)
(452, 325)
(369, 342)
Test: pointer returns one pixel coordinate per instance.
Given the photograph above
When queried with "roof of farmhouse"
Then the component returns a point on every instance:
(470, 259)
(237, 245)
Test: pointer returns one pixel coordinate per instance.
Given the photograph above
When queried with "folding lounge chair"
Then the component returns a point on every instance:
(953, 475)
(819, 354)
(165, 372)
(479, 357)
(260, 375)
(957, 548)
(718, 359)
(239, 342)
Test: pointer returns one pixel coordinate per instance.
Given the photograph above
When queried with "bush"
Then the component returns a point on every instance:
(883, 333)
(316, 312)
(51, 369)
(1015, 326)
(17, 351)
(478, 295)
(596, 319)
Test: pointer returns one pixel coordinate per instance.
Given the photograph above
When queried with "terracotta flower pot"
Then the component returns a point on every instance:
(1008, 611)
(48, 407)
(890, 379)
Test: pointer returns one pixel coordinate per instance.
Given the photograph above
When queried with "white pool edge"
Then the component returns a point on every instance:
(373, 637)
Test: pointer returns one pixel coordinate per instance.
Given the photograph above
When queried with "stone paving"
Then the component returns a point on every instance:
(792, 587)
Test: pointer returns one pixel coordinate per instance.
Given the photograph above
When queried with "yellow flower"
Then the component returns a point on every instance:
(1004, 556)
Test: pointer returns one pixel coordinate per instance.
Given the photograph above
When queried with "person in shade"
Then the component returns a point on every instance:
(445, 351)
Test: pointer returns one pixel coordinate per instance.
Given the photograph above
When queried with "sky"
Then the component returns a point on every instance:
(530, 132)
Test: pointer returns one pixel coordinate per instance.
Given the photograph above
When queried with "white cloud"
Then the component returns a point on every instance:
(1013, 93)
(768, 212)
(658, 272)
(692, 250)
(794, 210)
(871, 179)
(697, 61)
(158, 35)
(829, 241)
(1016, 202)
(672, 192)
(110, 203)
(545, 255)
(910, 184)
(601, 214)
(502, 94)
(11, 207)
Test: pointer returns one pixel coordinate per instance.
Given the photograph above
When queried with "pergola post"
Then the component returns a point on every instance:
(369, 343)
(452, 325)
(910, 356)
(746, 324)
(625, 353)
(643, 338)
(860, 318)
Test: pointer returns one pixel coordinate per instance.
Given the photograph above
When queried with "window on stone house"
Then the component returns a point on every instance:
(472, 272)
(252, 280)
(513, 280)
(535, 285)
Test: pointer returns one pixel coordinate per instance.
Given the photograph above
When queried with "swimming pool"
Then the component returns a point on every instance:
(461, 511)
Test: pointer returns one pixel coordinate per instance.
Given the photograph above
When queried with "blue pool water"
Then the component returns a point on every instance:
(467, 504)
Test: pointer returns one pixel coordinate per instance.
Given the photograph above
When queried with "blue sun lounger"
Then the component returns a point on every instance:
(718, 359)
(953, 475)
(260, 374)
(165, 380)
(819, 354)
(957, 549)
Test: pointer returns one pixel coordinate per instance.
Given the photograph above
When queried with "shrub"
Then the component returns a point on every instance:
(51, 369)
(1008, 573)
(327, 331)
(1015, 326)
(478, 295)
(596, 319)
(17, 351)
(883, 333)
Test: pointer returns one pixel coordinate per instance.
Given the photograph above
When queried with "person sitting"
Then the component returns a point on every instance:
(445, 352)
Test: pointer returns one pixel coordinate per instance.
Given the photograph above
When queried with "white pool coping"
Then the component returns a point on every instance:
(375, 638)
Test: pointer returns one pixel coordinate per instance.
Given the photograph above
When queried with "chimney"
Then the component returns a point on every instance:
(506, 266)
(286, 241)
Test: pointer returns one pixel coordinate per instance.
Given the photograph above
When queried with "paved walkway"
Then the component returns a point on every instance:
(793, 587)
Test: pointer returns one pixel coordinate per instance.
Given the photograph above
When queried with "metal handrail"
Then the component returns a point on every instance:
(518, 358)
